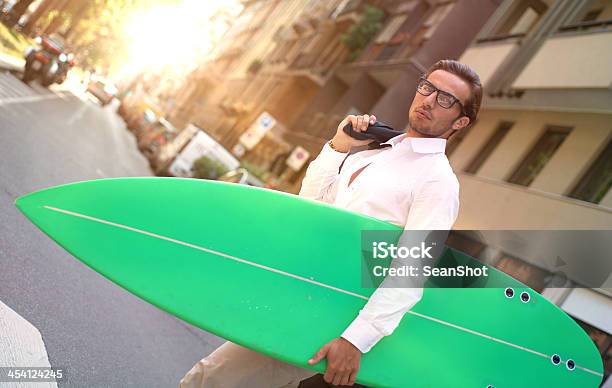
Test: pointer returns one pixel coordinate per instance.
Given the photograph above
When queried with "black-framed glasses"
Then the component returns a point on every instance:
(444, 99)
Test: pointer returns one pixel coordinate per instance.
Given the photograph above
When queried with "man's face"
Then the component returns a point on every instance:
(428, 118)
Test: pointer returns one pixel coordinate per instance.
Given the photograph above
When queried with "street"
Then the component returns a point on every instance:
(486, 123)
(100, 334)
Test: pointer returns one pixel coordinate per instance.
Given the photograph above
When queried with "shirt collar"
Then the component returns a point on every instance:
(422, 145)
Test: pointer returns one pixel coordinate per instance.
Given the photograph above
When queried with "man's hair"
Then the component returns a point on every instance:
(472, 105)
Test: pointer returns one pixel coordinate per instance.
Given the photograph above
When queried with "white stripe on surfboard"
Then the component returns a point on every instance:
(501, 341)
(205, 250)
(169, 239)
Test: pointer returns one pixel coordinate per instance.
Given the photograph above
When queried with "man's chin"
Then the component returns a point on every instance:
(414, 125)
(424, 130)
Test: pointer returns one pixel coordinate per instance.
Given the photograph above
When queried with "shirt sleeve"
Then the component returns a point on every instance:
(321, 180)
(434, 207)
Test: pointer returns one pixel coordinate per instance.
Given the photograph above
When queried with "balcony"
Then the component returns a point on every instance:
(317, 66)
(570, 61)
(491, 204)
(588, 26)
(486, 59)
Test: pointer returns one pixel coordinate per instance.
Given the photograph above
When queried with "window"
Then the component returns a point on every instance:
(539, 155)
(597, 181)
(520, 19)
(435, 18)
(430, 24)
(483, 154)
(390, 29)
(393, 38)
(533, 276)
(594, 14)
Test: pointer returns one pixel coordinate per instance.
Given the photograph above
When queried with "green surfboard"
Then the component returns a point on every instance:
(282, 275)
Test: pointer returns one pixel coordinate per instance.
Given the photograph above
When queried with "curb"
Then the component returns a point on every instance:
(22, 346)
(11, 63)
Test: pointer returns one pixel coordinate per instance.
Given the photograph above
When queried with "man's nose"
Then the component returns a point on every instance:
(430, 101)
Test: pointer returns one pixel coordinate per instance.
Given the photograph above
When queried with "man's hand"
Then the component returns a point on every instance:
(342, 141)
(343, 360)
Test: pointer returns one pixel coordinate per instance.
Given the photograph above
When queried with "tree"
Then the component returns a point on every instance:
(44, 7)
(79, 13)
(60, 17)
(17, 11)
(360, 34)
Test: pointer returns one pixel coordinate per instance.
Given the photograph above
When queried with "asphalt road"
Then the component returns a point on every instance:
(102, 335)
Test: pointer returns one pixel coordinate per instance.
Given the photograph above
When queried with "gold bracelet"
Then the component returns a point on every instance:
(331, 145)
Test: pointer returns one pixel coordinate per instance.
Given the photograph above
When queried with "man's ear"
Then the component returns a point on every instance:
(461, 122)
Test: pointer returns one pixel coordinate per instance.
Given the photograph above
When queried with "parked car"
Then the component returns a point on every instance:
(49, 62)
(154, 137)
(241, 176)
(102, 89)
(138, 112)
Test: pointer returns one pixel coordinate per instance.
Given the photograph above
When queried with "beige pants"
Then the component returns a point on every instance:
(234, 366)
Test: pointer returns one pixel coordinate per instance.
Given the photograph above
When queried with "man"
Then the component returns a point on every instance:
(410, 184)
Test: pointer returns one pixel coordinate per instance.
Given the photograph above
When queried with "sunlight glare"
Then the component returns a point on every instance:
(175, 37)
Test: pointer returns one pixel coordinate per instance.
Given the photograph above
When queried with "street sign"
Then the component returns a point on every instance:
(298, 157)
(257, 130)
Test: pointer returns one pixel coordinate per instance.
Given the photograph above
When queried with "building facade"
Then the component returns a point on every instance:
(309, 77)
(540, 155)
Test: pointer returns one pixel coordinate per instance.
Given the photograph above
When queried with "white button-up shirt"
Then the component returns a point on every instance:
(411, 185)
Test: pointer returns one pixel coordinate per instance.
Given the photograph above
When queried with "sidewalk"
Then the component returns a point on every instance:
(22, 347)
(8, 62)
